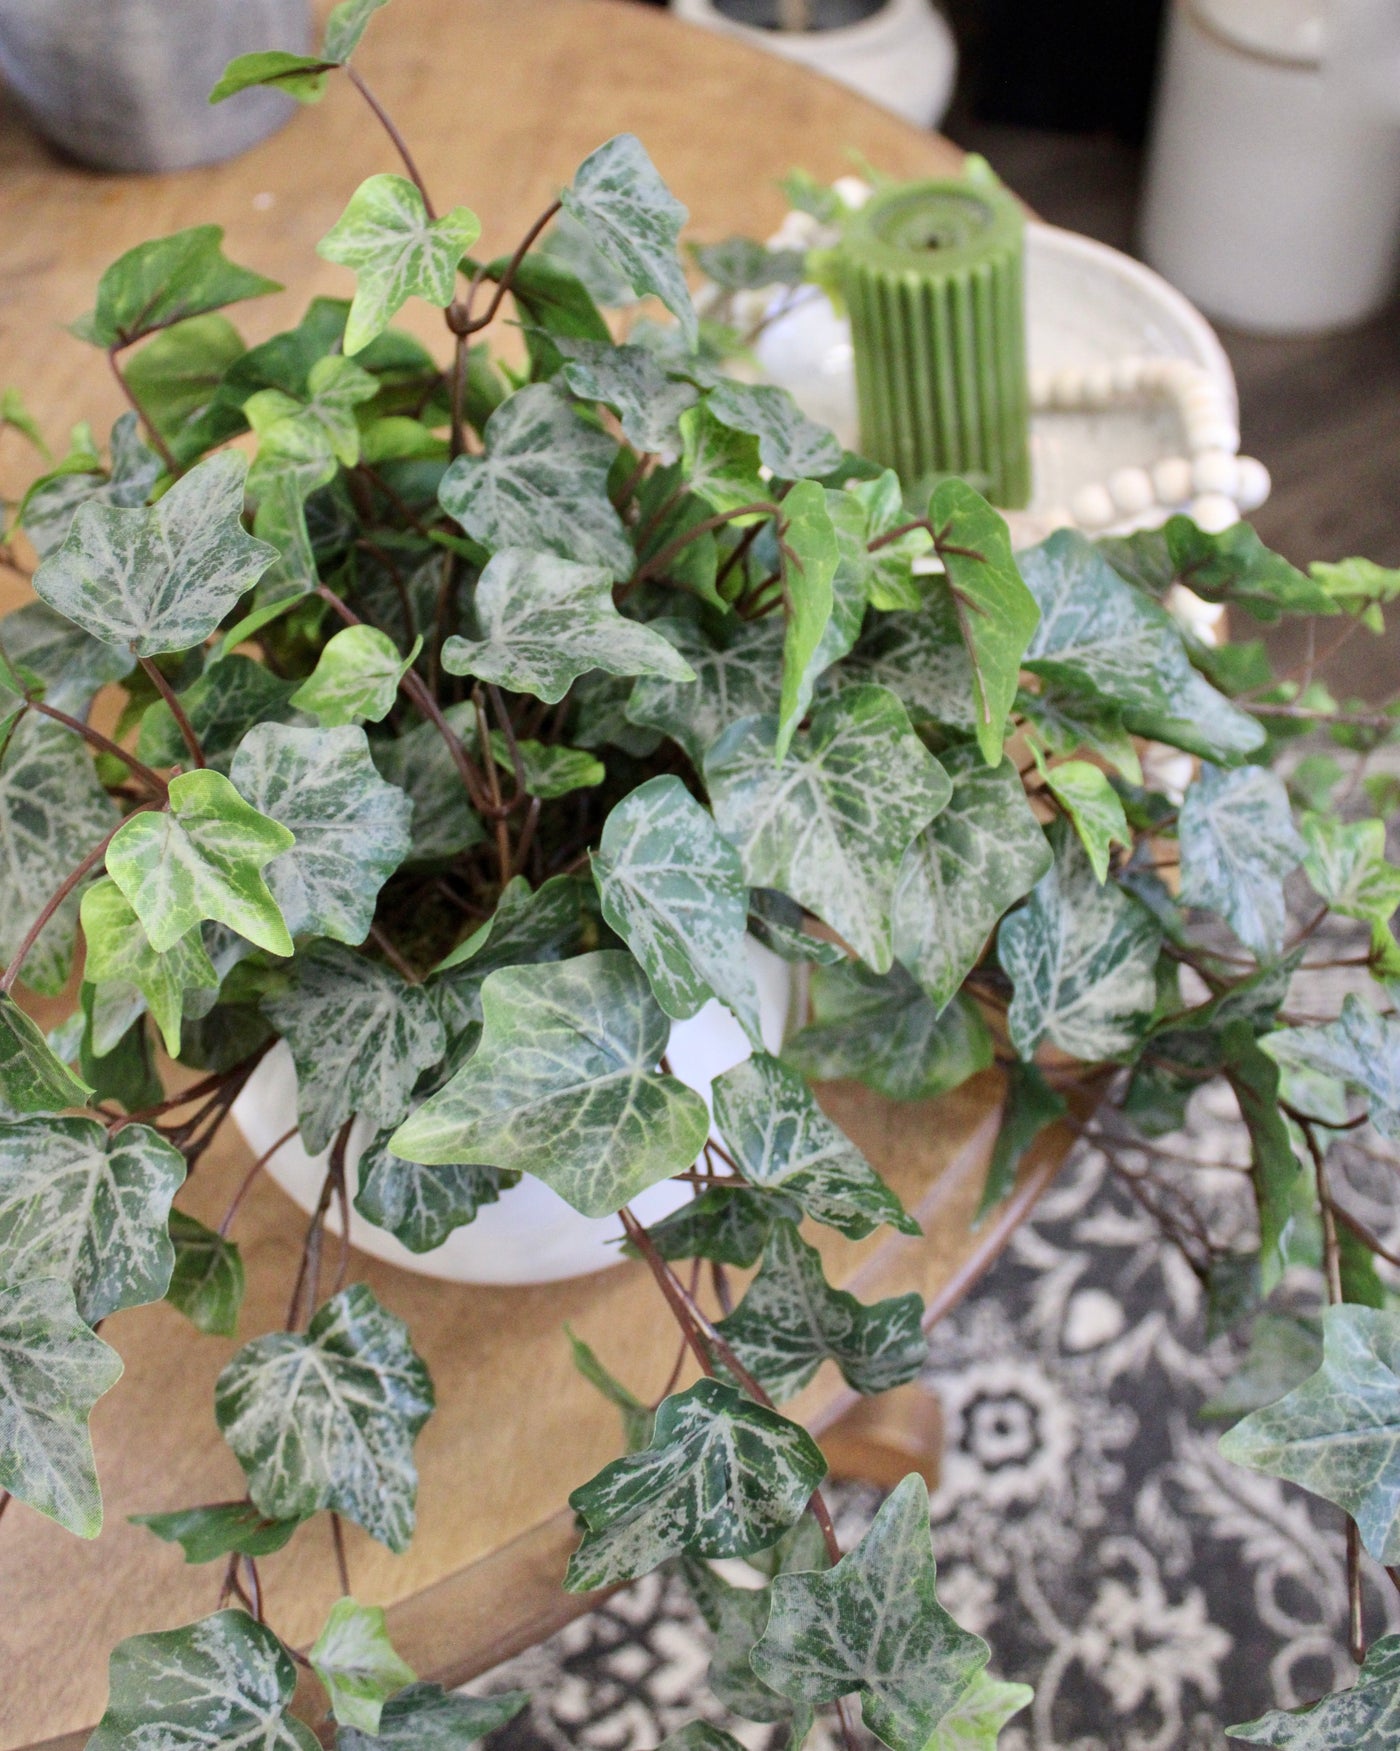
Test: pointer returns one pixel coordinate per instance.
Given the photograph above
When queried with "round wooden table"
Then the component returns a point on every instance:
(500, 101)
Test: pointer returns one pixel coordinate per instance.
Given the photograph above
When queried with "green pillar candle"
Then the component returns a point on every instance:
(931, 272)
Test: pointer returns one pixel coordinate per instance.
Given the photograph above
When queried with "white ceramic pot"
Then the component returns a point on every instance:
(531, 1235)
(902, 56)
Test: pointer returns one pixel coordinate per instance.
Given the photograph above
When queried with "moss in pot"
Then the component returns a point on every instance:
(464, 739)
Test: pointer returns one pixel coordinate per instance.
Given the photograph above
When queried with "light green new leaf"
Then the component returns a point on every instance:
(350, 827)
(1359, 587)
(328, 1419)
(89, 1207)
(975, 1720)
(1345, 862)
(1360, 1048)
(739, 678)
(541, 483)
(206, 1534)
(359, 1034)
(200, 858)
(791, 445)
(635, 222)
(53, 1369)
(563, 1086)
(1238, 842)
(1364, 1718)
(721, 465)
(1067, 722)
(722, 1477)
(808, 544)
(997, 615)
(17, 417)
(32, 1077)
(545, 621)
(634, 385)
(397, 253)
(882, 1030)
(892, 581)
(1082, 959)
(165, 281)
(421, 765)
(783, 1142)
(356, 678)
(525, 928)
(420, 1206)
(119, 953)
(160, 579)
(425, 1717)
(1338, 1434)
(550, 770)
(1092, 805)
(335, 387)
(830, 824)
(355, 1660)
(225, 1681)
(672, 888)
(791, 1320)
(206, 1284)
(980, 854)
(302, 77)
(873, 1624)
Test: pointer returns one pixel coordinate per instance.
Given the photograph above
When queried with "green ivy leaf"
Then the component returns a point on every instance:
(70, 666)
(541, 483)
(1335, 1434)
(119, 953)
(722, 464)
(1283, 1352)
(975, 1720)
(729, 1224)
(525, 928)
(328, 1419)
(223, 1681)
(420, 764)
(1082, 959)
(425, 1717)
(830, 824)
(1233, 565)
(721, 1477)
(873, 1625)
(355, 1660)
(783, 1142)
(882, 1030)
(302, 77)
(1364, 1718)
(1360, 1048)
(563, 1086)
(206, 1534)
(921, 658)
(166, 281)
(206, 1284)
(345, 26)
(892, 583)
(15, 416)
(89, 1207)
(672, 888)
(1067, 721)
(350, 828)
(1031, 1105)
(160, 579)
(740, 264)
(356, 678)
(638, 1419)
(979, 855)
(32, 1077)
(545, 621)
(631, 381)
(397, 252)
(550, 771)
(226, 700)
(47, 508)
(635, 222)
(781, 925)
(791, 445)
(791, 1320)
(53, 1369)
(1345, 861)
(1093, 806)
(737, 1617)
(420, 1206)
(699, 1736)
(735, 678)
(201, 858)
(1254, 1080)
(810, 554)
(177, 377)
(1238, 842)
(1359, 587)
(335, 387)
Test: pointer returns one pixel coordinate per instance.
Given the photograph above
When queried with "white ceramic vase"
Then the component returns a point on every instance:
(531, 1235)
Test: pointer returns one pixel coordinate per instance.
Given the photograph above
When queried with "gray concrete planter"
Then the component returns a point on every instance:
(124, 84)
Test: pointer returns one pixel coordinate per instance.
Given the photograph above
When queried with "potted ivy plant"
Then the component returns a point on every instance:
(464, 738)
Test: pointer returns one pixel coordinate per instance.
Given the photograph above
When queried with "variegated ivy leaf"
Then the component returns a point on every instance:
(1365, 1717)
(119, 953)
(205, 1534)
(53, 1369)
(850, 585)
(201, 857)
(791, 1320)
(980, 854)
(355, 1660)
(90, 1207)
(1068, 721)
(356, 678)
(1238, 842)
(335, 387)
(350, 829)
(541, 484)
(1360, 1048)
(780, 924)
(160, 579)
(633, 384)
(397, 251)
(873, 1625)
(882, 1030)
(783, 1142)
(544, 621)
(224, 1681)
(739, 677)
(975, 1720)
(328, 1419)
(421, 764)
(420, 1206)
(222, 704)
(808, 545)
(33, 1079)
(164, 281)
(891, 579)
(830, 824)
(1093, 806)
(425, 1717)
(563, 1086)
(672, 888)
(634, 221)
(1345, 861)
(206, 1284)
(729, 1224)
(1283, 1351)
(549, 770)
(722, 1477)
(69, 665)
(53, 811)
(921, 658)
(1082, 959)
(1336, 1433)
(359, 1034)
(791, 445)
(47, 512)
(721, 464)
(526, 927)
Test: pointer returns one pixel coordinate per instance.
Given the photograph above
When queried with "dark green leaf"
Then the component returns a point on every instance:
(1031, 1105)
(206, 1534)
(728, 1224)
(32, 1078)
(207, 1282)
(165, 281)
(425, 1717)
(420, 1206)
(526, 927)
(1283, 1352)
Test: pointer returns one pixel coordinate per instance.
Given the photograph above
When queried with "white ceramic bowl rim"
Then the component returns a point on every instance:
(893, 15)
